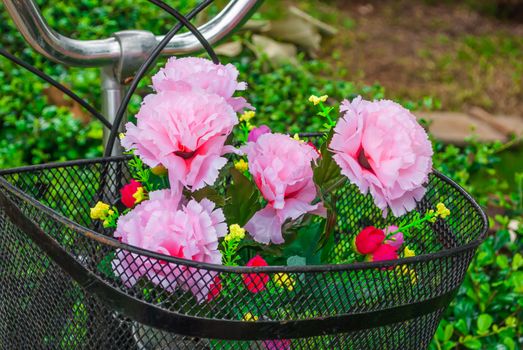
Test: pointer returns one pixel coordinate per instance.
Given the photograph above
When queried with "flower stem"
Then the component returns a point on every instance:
(415, 223)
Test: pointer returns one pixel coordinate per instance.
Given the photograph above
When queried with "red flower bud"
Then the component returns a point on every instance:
(128, 191)
(385, 252)
(256, 282)
(368, 240)
(214, 288)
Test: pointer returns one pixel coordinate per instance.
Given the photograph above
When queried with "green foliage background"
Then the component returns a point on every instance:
(487, 311)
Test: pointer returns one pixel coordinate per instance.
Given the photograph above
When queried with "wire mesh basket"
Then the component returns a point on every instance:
(64, 279)
(58, 289)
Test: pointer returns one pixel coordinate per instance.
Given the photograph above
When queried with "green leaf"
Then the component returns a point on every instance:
(484, 322)
(449, 329)
(242, 199)
(502, 261)
(461, 326)
(330, 224)
(305, 242)
(509, 343)
(472, 343)
(449, 345)
(296, 260)
(327, 172)
(105, 267)
(517, 261)
(517, 280)
(209, 193)
(327, 248)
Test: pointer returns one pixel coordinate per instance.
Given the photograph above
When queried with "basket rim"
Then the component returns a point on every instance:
(110, 241)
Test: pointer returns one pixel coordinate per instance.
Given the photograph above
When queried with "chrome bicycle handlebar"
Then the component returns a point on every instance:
(103, 52)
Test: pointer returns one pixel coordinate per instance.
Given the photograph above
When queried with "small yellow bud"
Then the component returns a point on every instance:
(121, 135)
(241, 166)
(246, 116)
(442, 210)
(408, 253)
(297, 137)
(99, 211)
(236, 233)
(283, 280)
(249, 317)
(159, 170)
(315, 99)
(434, 216)
(139, 195)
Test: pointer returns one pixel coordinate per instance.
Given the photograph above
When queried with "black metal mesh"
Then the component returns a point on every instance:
(44, 307)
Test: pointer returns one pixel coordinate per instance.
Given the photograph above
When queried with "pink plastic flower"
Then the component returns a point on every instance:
(257, 132)
(183, 74)
(161, 225)
(395, 240)
(381, 148)
(185, 132)
(281, 168)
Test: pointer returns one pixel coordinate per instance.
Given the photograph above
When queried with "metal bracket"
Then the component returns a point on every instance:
(135, 45)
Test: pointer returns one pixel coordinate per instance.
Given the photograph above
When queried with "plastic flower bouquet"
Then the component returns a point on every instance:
(215, 233)
(279, 202)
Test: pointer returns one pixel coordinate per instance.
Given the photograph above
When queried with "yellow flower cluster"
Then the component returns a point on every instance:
(442, 211)
(139, 195)
(236, 233)
(100, 211)
(246, 116)
(283, 280)
(249, 317)
(408, 253)
(241, 165)
(315, 99)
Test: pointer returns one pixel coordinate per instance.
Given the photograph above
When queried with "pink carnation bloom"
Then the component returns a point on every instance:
(381, 148)
(281, 168)
(185, 132)
(162, 225)
(257, 132)
(183, 74)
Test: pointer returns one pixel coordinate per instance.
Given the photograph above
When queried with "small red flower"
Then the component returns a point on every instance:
(385, 252)
(256, 282)
(277, 344)
(128, 192)
(368, 240)
(215, 289)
